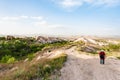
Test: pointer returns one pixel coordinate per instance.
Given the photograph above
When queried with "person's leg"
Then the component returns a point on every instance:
(103, 61)
(100, 61)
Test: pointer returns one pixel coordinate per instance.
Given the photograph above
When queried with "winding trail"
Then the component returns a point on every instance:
(85, 67)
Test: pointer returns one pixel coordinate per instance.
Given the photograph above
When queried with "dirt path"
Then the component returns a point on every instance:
(84, 67)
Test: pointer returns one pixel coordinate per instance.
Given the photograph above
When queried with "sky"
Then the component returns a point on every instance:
(60, 17)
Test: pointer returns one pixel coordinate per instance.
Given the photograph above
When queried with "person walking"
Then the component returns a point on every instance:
(102, 56)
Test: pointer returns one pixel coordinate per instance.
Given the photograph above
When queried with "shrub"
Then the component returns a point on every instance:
(21, 48)
(118, 57)
(11, 60)
(8, 59)
(112, 47)
(30, 56)
(5, 58)
(2, 38)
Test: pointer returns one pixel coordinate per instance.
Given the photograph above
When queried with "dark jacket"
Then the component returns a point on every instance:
(102, 55)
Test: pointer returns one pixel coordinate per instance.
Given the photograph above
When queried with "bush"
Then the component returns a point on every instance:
(11, 60)
(8, 59)
(21, 48)
(30, 56)
(112, 47)
(2, 38)
(118, 57)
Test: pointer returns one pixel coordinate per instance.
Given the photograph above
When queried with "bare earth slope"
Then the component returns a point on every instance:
(84, 67)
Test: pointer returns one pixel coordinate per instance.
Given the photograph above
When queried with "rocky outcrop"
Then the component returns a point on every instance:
(86, 40)
(92, 41)
(47, 39)
(90, 49)
(9, 37)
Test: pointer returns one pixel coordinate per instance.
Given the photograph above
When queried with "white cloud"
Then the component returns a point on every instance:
(26, 25)
(57, 26)
(10, 18)
(15, 18)
(47, 25)
(24, 17)
(37, 17)
(71, 4)
(41, 23)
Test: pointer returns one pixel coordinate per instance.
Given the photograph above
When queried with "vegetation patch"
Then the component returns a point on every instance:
(21, 48)
(8, 59)
(111, 47)
(118, 57)
(42, 70)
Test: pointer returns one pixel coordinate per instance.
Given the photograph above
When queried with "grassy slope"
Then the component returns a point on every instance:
(42, 69)
(17, 69)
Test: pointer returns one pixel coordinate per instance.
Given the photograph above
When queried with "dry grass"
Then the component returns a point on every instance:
(41, 69)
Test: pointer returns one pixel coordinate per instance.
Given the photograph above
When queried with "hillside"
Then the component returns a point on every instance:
(51, 58)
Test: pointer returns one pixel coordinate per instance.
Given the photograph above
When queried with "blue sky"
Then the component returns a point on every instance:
(60, 17)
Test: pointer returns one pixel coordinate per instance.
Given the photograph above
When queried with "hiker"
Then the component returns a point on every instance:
(102, 57)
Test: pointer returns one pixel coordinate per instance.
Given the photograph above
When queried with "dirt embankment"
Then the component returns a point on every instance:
(84, 67)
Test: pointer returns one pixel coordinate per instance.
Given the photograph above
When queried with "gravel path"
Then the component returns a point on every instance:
(84, 67)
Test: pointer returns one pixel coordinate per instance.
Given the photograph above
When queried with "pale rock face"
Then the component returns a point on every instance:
(9, 37)
(26, 60)
(38, 58)
(47, 39)
(86, 40)
(91, 41)
(88, 49)
(94, 42)
(14, 68)
(81, 39)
